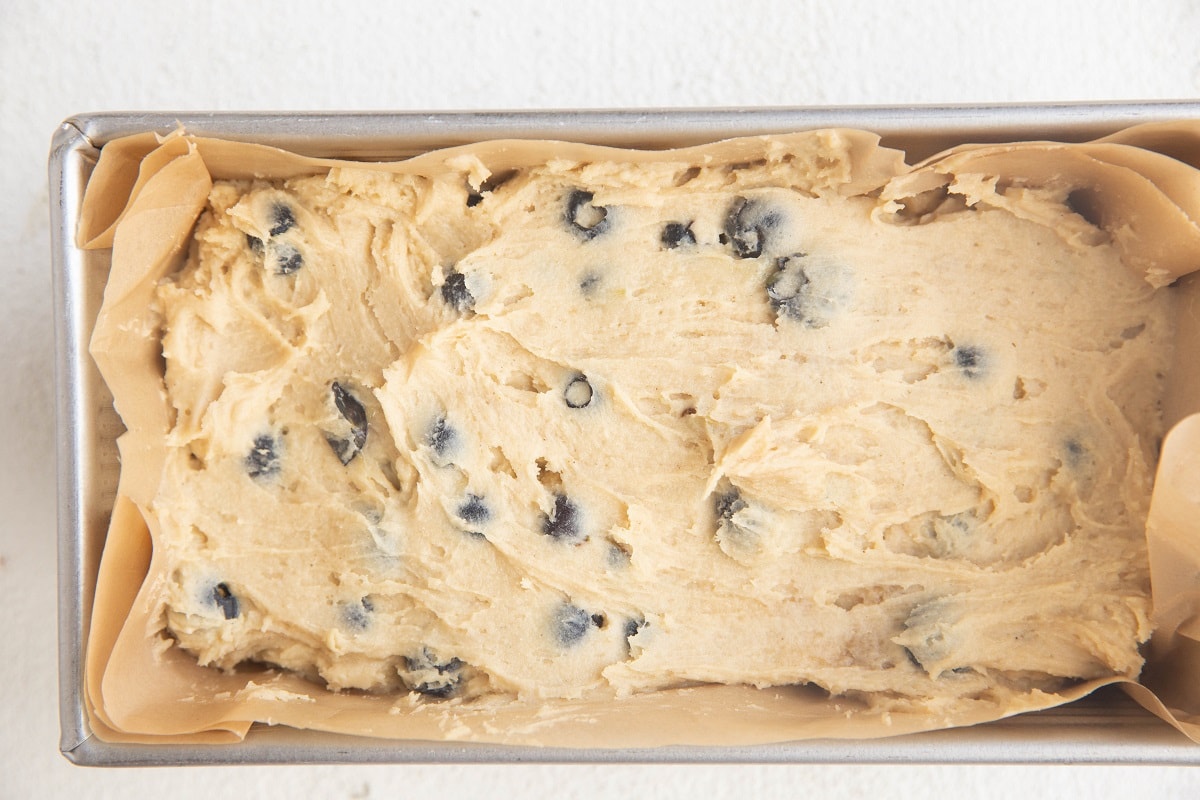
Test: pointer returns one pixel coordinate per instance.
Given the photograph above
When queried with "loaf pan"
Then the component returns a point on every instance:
(1104, 728)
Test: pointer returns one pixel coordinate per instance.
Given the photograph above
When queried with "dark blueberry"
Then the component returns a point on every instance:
(586, 219)
(729, 531)
(474, 510)
(262, 462)
(571, 624)
(441, 437)
(287, 259)
(728, 504)
(354, 413)
(951, 534)
(357, 616)
(1075, 452)
(749, 225)
(788, 287)
(427, 660)
(255, 244)
(600, 621)
(618, 555)
(437, 689)
(282, 219)
(631, 628)
(809, 291)
(578, 393)
(677, 234)
(563, 521)
(962, 522)
(474, 199)
(225, 600)
(434, 678)
(456, 294)
(589, 283)
(934, 655)
(932, 622)
(971, 360)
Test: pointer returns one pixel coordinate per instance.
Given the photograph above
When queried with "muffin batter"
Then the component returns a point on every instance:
(592, 429)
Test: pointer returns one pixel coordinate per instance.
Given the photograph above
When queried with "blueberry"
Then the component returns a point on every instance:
(571, 624)
(963, 522)
(354, 413)
(426, 659)
(932, 624)
(971, 360)
(633, 625)
(578, 393)
(262, 462)
(618, 555)
(441, 437)
(563, 522)
(586, 219)
(455, 292)
(474, 510)
(255, 244)
(432, 677)
(808, 290)
(952, 534)
(438, 688)
(589, 283)
(1075, 452)
(677, 234)
(786, 288)
(749, 226)
(282, 219)
(728, 504)
(732, 534)
(287, 259)
(357, 616)
(225, 600)
(916, 662)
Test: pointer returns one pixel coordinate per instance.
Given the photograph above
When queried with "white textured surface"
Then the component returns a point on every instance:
(58, 58)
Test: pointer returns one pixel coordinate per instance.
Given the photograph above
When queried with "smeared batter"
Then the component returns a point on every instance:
(594, 429)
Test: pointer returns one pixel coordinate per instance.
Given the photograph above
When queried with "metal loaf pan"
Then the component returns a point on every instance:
(1104, 728)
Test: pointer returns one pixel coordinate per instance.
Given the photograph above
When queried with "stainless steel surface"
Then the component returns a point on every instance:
(86, 446)
(920, 130)
(1110, 730)
(1107, 728)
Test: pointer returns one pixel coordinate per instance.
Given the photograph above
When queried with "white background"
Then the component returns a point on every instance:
(57, 59)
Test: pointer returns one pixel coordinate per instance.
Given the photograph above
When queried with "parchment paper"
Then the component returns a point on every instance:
(1142, 186)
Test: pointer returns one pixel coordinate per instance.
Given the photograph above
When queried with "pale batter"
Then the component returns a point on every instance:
(596, 429)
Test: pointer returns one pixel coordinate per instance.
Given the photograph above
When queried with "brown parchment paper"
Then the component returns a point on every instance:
(1141, 185)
